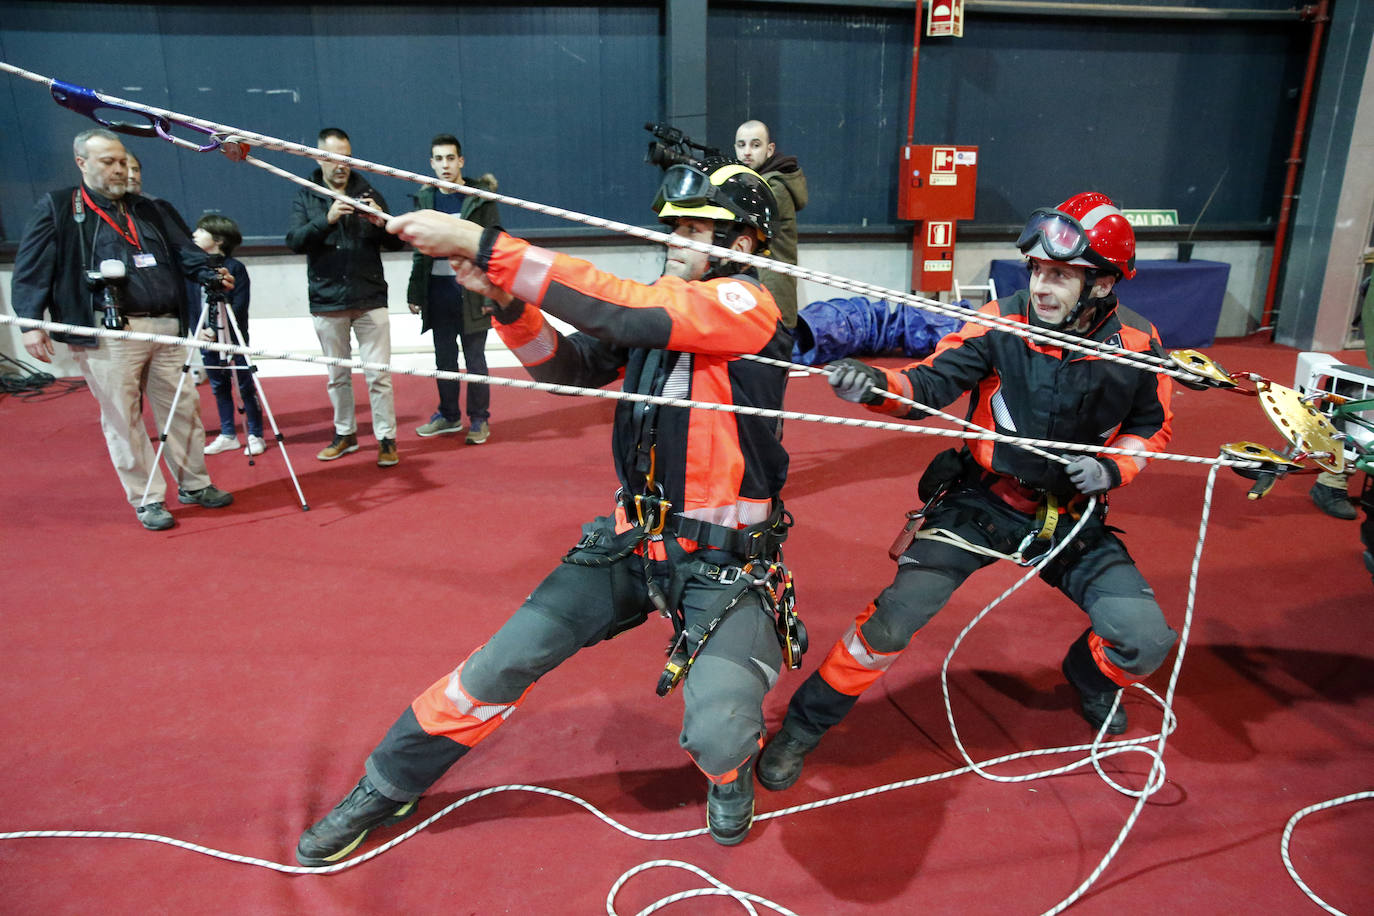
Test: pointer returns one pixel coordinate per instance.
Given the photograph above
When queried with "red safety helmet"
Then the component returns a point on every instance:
(1086, 229)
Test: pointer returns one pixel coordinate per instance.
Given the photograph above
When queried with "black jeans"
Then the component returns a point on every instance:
(446, 323)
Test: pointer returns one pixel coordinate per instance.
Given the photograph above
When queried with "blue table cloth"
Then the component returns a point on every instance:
(1182, 298)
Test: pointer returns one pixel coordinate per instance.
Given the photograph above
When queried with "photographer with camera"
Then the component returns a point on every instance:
(94, 255)
(342, 251)
(218, 236)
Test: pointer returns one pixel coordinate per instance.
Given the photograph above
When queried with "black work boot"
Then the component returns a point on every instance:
(342, 830)
(730, 808)
(1334, 501)
(1095, 692)
(780, 764)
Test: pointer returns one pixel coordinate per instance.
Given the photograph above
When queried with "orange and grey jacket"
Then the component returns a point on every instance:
(676, 338)
(1023, 388)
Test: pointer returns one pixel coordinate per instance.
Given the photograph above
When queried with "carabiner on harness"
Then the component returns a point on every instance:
(1039, 539)
(651, 511)
(780, 595)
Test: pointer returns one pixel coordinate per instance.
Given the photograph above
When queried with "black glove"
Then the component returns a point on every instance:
(505, 314)
(1089, 475)
(855, 381)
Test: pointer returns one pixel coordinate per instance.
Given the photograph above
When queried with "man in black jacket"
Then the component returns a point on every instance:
(348, 294)
(98, 230)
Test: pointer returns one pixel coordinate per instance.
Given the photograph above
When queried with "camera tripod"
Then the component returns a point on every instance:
(215, 309)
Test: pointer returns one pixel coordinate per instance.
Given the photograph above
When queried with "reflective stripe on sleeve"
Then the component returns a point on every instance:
(533, 274)
(540, 348)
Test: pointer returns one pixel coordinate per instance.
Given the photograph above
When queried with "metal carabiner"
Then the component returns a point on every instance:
(89, 102)
(655, 516)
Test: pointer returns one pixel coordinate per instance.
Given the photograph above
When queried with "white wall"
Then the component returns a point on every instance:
(281, 316)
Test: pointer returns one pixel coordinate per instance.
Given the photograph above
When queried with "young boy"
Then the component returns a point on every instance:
(219, 235)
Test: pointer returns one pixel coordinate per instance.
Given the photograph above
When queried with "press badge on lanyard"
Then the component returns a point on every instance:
(144, 259)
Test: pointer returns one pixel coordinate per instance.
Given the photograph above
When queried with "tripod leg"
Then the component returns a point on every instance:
(252, 369)
(172, 409)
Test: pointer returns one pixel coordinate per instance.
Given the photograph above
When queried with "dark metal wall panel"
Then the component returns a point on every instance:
(1150, 111)
(1349, 51)
(549, 98)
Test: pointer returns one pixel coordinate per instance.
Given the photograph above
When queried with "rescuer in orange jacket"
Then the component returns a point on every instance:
(993, 499)
(698, 517)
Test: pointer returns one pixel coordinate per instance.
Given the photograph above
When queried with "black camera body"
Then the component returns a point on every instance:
(110, 281)
(214, 291)
(671, 146)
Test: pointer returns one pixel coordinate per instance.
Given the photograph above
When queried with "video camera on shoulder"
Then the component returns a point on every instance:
(671, 146)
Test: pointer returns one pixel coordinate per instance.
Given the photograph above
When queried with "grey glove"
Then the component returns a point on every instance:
(1089, 475)
(854, 381)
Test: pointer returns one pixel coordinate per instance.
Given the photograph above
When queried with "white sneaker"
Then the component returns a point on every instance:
(222, 443)
(255, 446)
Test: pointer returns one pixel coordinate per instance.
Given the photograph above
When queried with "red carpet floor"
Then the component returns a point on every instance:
(221, 683)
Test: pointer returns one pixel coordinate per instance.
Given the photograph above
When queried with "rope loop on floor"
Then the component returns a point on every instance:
(1288, 835)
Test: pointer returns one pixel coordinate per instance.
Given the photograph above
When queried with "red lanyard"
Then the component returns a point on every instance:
(131, 236)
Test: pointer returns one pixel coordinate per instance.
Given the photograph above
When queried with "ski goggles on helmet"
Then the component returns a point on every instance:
(1061, 238)
(686, 187)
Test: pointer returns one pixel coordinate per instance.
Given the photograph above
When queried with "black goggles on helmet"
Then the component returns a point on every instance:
(1060, 236)
(686, 186)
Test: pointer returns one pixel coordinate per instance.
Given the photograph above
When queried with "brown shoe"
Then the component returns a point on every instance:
(387, 454)
(342, 445)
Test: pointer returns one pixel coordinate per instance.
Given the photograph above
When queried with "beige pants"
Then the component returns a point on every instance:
(120, 373)
(1335, 481)
(372, 327)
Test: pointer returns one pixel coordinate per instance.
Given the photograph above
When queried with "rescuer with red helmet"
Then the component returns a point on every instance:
(996, 500)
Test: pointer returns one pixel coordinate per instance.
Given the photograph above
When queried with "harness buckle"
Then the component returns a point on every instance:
(728, 575)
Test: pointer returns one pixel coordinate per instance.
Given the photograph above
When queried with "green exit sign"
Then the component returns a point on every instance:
(1151, 217)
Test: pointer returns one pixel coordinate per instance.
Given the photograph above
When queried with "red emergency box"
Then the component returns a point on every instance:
(937, 182)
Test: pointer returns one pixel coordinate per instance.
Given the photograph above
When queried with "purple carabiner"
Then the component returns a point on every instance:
(86, 102)
(160, 124)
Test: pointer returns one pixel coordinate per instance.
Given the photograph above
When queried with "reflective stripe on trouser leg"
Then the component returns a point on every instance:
(925, 580)
(852, 666)
(439, 727)
(447, 709)
(819, 703)
(574, 606)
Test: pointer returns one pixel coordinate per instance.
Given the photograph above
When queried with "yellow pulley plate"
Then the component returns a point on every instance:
(1203, 366)
(1305, 427)
(1253, 451)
